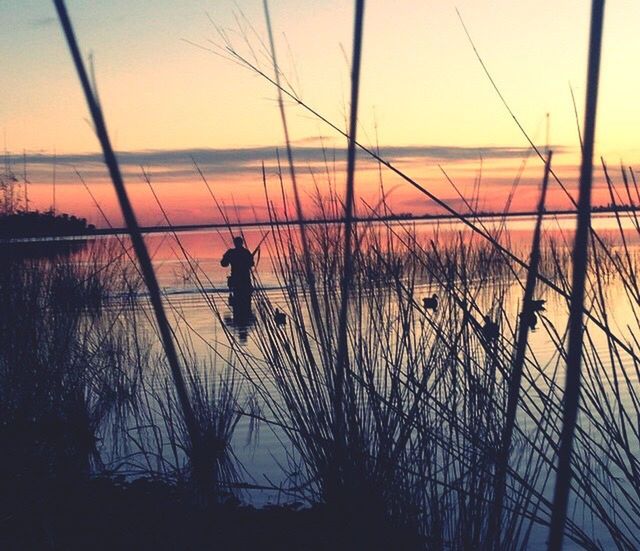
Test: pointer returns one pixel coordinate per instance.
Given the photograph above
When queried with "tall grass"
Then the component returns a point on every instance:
(142, 254)
(580, 263)
(427, 396)
(415, 373)
(515, 381)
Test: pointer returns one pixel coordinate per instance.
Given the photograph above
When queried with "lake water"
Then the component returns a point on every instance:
(213, 334)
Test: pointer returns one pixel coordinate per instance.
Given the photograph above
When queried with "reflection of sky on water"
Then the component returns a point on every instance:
(205, 248)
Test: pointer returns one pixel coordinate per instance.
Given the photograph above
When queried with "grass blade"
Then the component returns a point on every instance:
(580, 261)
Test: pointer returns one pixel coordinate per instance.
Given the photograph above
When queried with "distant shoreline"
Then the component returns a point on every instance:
(391, 218)
(317, 221)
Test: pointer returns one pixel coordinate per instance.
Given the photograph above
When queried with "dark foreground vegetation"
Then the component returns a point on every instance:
(94, 446)
(150, 514)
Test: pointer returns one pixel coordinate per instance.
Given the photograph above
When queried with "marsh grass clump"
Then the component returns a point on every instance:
(60, 387)
(425, 394)
(423, 389)
(212, 472)
(218, 410)
(84, 395)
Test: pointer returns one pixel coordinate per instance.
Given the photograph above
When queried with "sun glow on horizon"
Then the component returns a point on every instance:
(421, 85)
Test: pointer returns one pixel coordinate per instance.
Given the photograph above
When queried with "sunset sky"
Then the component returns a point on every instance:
(425, 98)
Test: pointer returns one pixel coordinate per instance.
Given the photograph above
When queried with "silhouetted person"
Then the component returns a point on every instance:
(241, 262)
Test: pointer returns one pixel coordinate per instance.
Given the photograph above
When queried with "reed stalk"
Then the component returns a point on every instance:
(133, 229)
(580, 264)
(342, 361)
(515, 379)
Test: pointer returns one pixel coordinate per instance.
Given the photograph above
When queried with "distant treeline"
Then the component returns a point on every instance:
(25, 224)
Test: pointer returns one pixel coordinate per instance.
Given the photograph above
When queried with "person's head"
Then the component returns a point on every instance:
(238, 242)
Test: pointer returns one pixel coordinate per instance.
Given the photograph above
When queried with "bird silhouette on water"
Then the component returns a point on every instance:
(490, 330)
(530, 313)
(430, 303)
(280, 317)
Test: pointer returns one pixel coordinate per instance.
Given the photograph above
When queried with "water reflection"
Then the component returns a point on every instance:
(34, 249)
(462, 279)
(242, 317)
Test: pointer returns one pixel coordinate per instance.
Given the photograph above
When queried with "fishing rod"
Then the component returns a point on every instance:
(261, 242)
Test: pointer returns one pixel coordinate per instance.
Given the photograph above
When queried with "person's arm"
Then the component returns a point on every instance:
(225, 259)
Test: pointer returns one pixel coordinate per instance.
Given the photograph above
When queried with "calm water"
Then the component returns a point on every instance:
(261, 458)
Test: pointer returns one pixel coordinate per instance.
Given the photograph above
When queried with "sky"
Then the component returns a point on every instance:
(167, 97)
